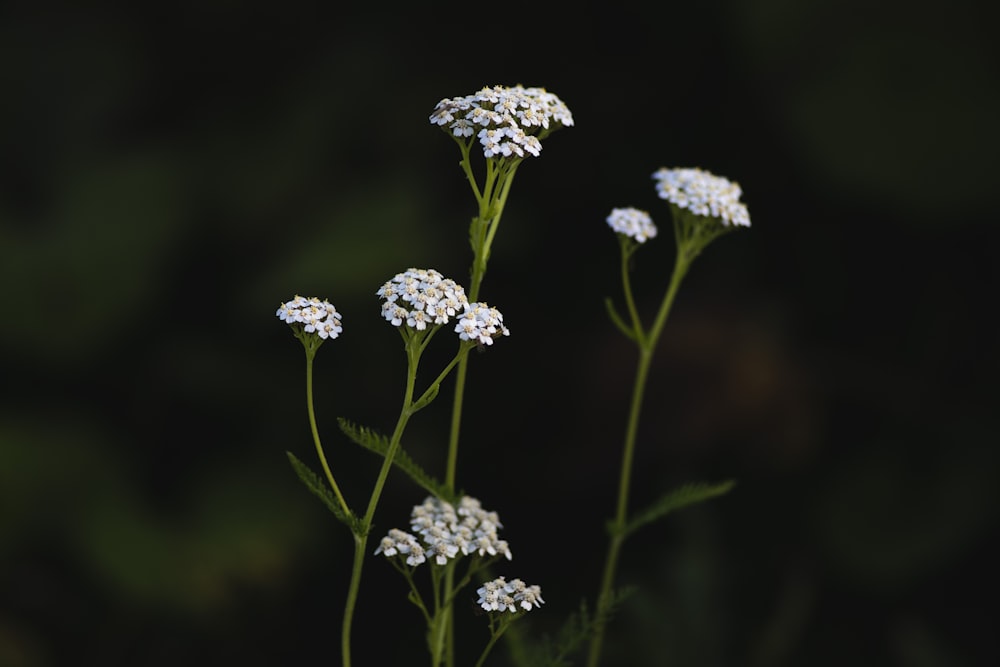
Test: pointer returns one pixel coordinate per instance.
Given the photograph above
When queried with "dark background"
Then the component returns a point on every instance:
(168, 176)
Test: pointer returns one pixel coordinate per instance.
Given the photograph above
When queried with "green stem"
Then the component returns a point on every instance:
(647, 347)
(493, 640)
(310, 355)
(360, 543)
(489, 203)
(361, 537)
(442, 648)
(456, 423)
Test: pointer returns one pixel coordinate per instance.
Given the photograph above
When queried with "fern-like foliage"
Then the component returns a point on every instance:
(575, 632)
(319, 488)
(379, 444)
(689, 494)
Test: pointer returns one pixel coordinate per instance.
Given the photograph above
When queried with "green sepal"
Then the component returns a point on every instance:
(689, 494)
(379, 444)
(319, 488)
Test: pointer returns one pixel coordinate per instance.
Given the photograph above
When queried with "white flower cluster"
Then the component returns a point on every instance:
(632, 222)
(313, 315)
(444, 531)
(421, 297)
(505, 119)
(502, 595)
(481, 323)
(703, 193)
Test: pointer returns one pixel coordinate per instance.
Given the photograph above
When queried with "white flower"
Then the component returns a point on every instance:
(703, 193)
(481, 323)
(444, 531)
(501, 595)
(511, 120)
(420, 298)
(312, 315)
(400, 543)
(632, 222)
(489, 594)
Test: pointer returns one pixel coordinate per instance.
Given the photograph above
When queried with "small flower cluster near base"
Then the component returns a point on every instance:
(505, 119)
(444, 531)
(502, 595)
(312, 315)
(703, 193)
(632, 222)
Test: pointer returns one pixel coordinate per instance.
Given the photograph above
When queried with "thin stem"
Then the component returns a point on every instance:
(488, 203)
(499, 204)
(361, 537)
(647, 347)
(360, 543)
(627, 246)
(442, 649)
(456, 423)
(432, 390)
(310, 355)
(493, 640)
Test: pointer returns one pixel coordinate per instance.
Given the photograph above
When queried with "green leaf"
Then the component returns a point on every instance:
(689, 494)
(316, 484)
(379, 444)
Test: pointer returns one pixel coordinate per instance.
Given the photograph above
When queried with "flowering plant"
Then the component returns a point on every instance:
(452, 540)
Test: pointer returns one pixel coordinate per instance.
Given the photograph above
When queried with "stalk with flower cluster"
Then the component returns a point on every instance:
(453, 536)
(508, 123)
(419, 302)
(447, 535)
(704, 207)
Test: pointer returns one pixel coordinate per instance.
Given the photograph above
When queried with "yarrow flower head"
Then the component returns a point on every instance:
(703, 193)
(508, 121)
(444, 531)
(311, 316)
(481, 323)
(420, 298)
(502, 595)
(632, 222)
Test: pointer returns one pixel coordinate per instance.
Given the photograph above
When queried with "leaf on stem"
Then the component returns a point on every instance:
(316, 484)
(379, 444)
(689, 494)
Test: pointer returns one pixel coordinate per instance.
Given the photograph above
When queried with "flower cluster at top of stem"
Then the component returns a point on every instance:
(703, 193)
(311, 316)
(632, 222)
(444, 531)
(502, 595)
(419, 298)
(508, 121)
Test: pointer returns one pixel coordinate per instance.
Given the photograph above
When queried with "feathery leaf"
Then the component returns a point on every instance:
(379, 444)
(316, 484)
(689, 494)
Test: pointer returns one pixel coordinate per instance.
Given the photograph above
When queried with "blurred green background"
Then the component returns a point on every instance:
(168, 175)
